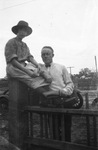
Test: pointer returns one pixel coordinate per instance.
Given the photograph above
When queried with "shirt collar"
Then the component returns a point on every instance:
(49, 65)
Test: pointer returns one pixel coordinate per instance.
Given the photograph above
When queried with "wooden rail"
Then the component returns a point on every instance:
(42, 118)
(36, 124)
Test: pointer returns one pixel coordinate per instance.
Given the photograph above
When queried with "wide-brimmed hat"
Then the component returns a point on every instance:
(22, 24)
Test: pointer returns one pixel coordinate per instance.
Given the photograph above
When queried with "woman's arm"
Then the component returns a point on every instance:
(33, 61)
(21, 67)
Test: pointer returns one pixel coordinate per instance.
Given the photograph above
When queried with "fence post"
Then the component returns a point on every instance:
(18, 98)
(87, 100)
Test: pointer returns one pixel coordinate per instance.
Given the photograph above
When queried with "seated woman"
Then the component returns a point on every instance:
(17, 54)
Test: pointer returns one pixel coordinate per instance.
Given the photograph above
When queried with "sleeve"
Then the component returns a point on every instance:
(29, 54)
(10, 51)
(68, 82)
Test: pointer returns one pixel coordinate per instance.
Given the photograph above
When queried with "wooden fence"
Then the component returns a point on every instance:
(36, 124)
(42, 119)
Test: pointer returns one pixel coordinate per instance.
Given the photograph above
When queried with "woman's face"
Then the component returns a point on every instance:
(22, 33)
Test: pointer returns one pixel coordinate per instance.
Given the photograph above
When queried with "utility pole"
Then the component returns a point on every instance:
(70, 69)
(96, 64)
(96, 72)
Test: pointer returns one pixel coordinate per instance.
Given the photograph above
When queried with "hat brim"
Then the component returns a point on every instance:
(16, 28)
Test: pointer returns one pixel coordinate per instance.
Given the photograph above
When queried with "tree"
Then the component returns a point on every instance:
(84, 73)
(86, 79)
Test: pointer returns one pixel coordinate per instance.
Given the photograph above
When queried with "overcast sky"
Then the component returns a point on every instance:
(69, 26)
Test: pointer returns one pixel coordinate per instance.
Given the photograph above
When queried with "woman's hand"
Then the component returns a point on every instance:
(32, 74)
(41, 70)
(49, 79)
(45, 75)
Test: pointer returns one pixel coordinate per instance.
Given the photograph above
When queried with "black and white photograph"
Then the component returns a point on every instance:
(48, 75)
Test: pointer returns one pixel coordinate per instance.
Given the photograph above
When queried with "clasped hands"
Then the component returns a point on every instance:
(40, 72)
(45, 75)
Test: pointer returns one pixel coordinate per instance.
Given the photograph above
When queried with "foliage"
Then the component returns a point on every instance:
(86, 79)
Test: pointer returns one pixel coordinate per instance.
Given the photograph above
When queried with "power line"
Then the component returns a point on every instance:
(16, 5)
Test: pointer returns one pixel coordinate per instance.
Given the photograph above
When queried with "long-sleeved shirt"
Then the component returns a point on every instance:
(61, 79)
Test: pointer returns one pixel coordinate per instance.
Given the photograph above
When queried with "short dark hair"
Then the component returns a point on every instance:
(49, 48)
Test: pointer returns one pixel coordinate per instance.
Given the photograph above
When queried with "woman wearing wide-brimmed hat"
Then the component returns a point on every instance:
(17, 53)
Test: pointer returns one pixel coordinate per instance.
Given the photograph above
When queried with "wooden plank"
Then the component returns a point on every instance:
(56, 127)
(95, 130)
(61, 110)
(29, 130)
(46, 125)
(41, 125)
(18, 96)
(88, 129)
(87, 101)
(63, 127)
(51, 125)
(61, 145)
(31, 124)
